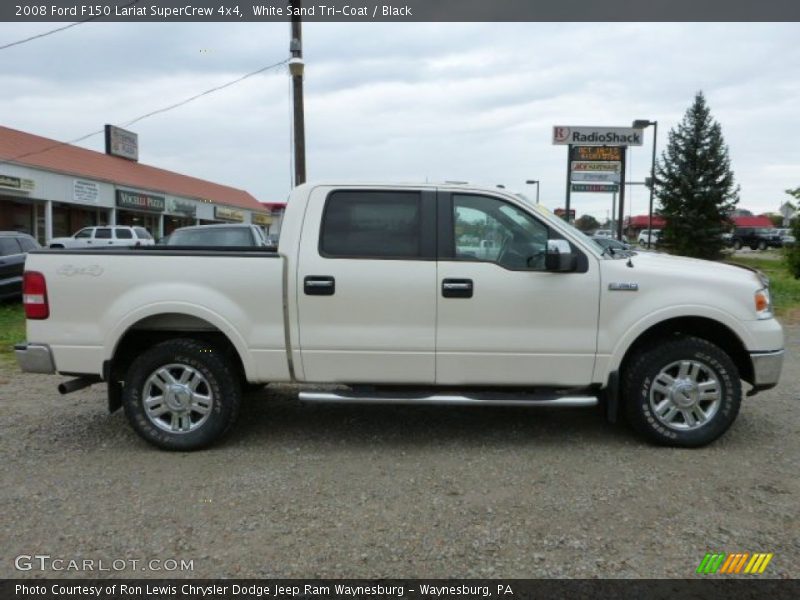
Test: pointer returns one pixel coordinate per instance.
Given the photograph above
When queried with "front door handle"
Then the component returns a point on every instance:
(319, 285)
(457, 288)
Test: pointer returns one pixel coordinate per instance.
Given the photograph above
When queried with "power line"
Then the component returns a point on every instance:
(210, 91)
(145, 116)
(65, 27)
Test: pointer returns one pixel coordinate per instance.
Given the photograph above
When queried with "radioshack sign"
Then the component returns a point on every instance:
(596, 136)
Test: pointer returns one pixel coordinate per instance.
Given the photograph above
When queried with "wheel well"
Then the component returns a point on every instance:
(707, 329)
(158, 328)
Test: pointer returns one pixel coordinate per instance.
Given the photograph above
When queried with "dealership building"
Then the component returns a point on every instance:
(51, 189)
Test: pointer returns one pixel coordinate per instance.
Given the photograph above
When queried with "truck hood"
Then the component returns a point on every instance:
(694, 268)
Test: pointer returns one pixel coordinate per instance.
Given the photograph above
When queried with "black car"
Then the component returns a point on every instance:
(756, 238)
(13, 248)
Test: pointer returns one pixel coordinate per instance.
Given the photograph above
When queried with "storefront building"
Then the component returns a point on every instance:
(52, 190)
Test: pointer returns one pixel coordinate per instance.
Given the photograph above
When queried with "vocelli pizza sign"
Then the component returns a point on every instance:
(596, 136)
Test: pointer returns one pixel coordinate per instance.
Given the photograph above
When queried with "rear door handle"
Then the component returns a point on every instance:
(319, 285)
(457, 288)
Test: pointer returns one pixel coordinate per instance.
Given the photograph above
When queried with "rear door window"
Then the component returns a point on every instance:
(9, 246)
(123, 234)
(27, 244)
(372, 224)
(142, 233)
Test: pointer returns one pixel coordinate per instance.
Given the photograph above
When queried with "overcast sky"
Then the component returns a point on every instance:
(402, 102)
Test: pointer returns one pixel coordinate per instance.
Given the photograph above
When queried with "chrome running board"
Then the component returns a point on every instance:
(478, 399)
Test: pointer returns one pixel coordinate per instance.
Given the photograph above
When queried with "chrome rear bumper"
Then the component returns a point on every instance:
(35, 358)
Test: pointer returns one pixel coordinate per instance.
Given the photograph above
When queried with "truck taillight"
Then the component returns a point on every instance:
(34, 295)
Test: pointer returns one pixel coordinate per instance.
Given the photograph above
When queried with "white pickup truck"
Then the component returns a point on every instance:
(379, 288)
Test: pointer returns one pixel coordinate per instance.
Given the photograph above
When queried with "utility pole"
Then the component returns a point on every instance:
(296, 66)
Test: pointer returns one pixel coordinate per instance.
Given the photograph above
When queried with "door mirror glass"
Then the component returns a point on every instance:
(559, 257)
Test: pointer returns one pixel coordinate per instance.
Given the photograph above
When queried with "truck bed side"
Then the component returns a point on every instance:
(97, 296)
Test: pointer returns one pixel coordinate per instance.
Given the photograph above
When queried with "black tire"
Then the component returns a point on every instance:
(737, 244)
(639, 379)
(762, 245)
(217, 378)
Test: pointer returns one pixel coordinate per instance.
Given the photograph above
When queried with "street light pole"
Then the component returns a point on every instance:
(296, 67)
(641, 124)
(531, 182)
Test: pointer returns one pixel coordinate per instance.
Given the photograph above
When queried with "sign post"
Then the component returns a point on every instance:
(596, 160)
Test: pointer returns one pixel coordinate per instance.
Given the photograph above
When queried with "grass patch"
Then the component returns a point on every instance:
(12, 327)
(784, 288)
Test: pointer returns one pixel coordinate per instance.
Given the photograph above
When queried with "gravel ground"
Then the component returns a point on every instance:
(338, 491)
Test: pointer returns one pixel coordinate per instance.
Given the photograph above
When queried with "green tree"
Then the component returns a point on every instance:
(793, 252)
(695, 184)
(587, 223)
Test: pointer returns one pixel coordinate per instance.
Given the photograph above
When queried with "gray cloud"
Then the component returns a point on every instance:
(409, 101)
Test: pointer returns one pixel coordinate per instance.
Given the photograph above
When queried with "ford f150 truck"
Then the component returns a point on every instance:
(427, 294)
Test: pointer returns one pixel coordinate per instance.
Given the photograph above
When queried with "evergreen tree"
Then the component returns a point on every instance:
(695, 185)
(793, 251)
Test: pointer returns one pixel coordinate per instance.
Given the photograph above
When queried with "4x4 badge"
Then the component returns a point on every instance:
(623, 287)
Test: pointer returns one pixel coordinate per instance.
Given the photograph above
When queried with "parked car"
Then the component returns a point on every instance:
(371, 300)
(615, 246)
(756, 238)
(655, 237)
(107, 235)
(14, 246)
(787, 239)
(217, 235)
(603, 233)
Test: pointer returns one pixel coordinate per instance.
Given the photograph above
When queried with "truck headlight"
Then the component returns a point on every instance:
(763, 304)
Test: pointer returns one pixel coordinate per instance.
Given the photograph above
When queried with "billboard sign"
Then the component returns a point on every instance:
(564, 135)
(595, 176)
(607, 153)
(122, 143)
(595, 187)
(580, 165)
(139, 201)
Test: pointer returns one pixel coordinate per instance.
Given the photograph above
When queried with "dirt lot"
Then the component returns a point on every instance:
(308, 491)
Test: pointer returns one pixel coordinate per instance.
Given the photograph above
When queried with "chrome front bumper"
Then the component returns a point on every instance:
(766, 369)
(35, 358)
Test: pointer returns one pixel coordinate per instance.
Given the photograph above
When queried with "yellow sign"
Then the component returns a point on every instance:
(17, 183)
(260, 219)
(228, 214)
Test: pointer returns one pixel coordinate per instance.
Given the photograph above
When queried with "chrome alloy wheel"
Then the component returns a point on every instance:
(685, 395)
(177, 398)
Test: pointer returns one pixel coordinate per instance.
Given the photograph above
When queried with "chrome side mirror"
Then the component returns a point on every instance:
(559, 257)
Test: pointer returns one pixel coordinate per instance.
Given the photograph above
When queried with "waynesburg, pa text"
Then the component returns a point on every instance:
(259, 591)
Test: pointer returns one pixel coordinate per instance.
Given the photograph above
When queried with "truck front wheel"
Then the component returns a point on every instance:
(181, 394)
(683, 392)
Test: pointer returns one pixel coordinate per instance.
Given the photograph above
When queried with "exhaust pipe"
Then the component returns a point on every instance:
(73, 385)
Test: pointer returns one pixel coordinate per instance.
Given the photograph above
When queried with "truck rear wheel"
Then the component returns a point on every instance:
(683, 392)
(181, 394)
(737, 245)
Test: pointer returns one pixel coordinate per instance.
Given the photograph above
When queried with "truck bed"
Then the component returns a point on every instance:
(97, 295)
